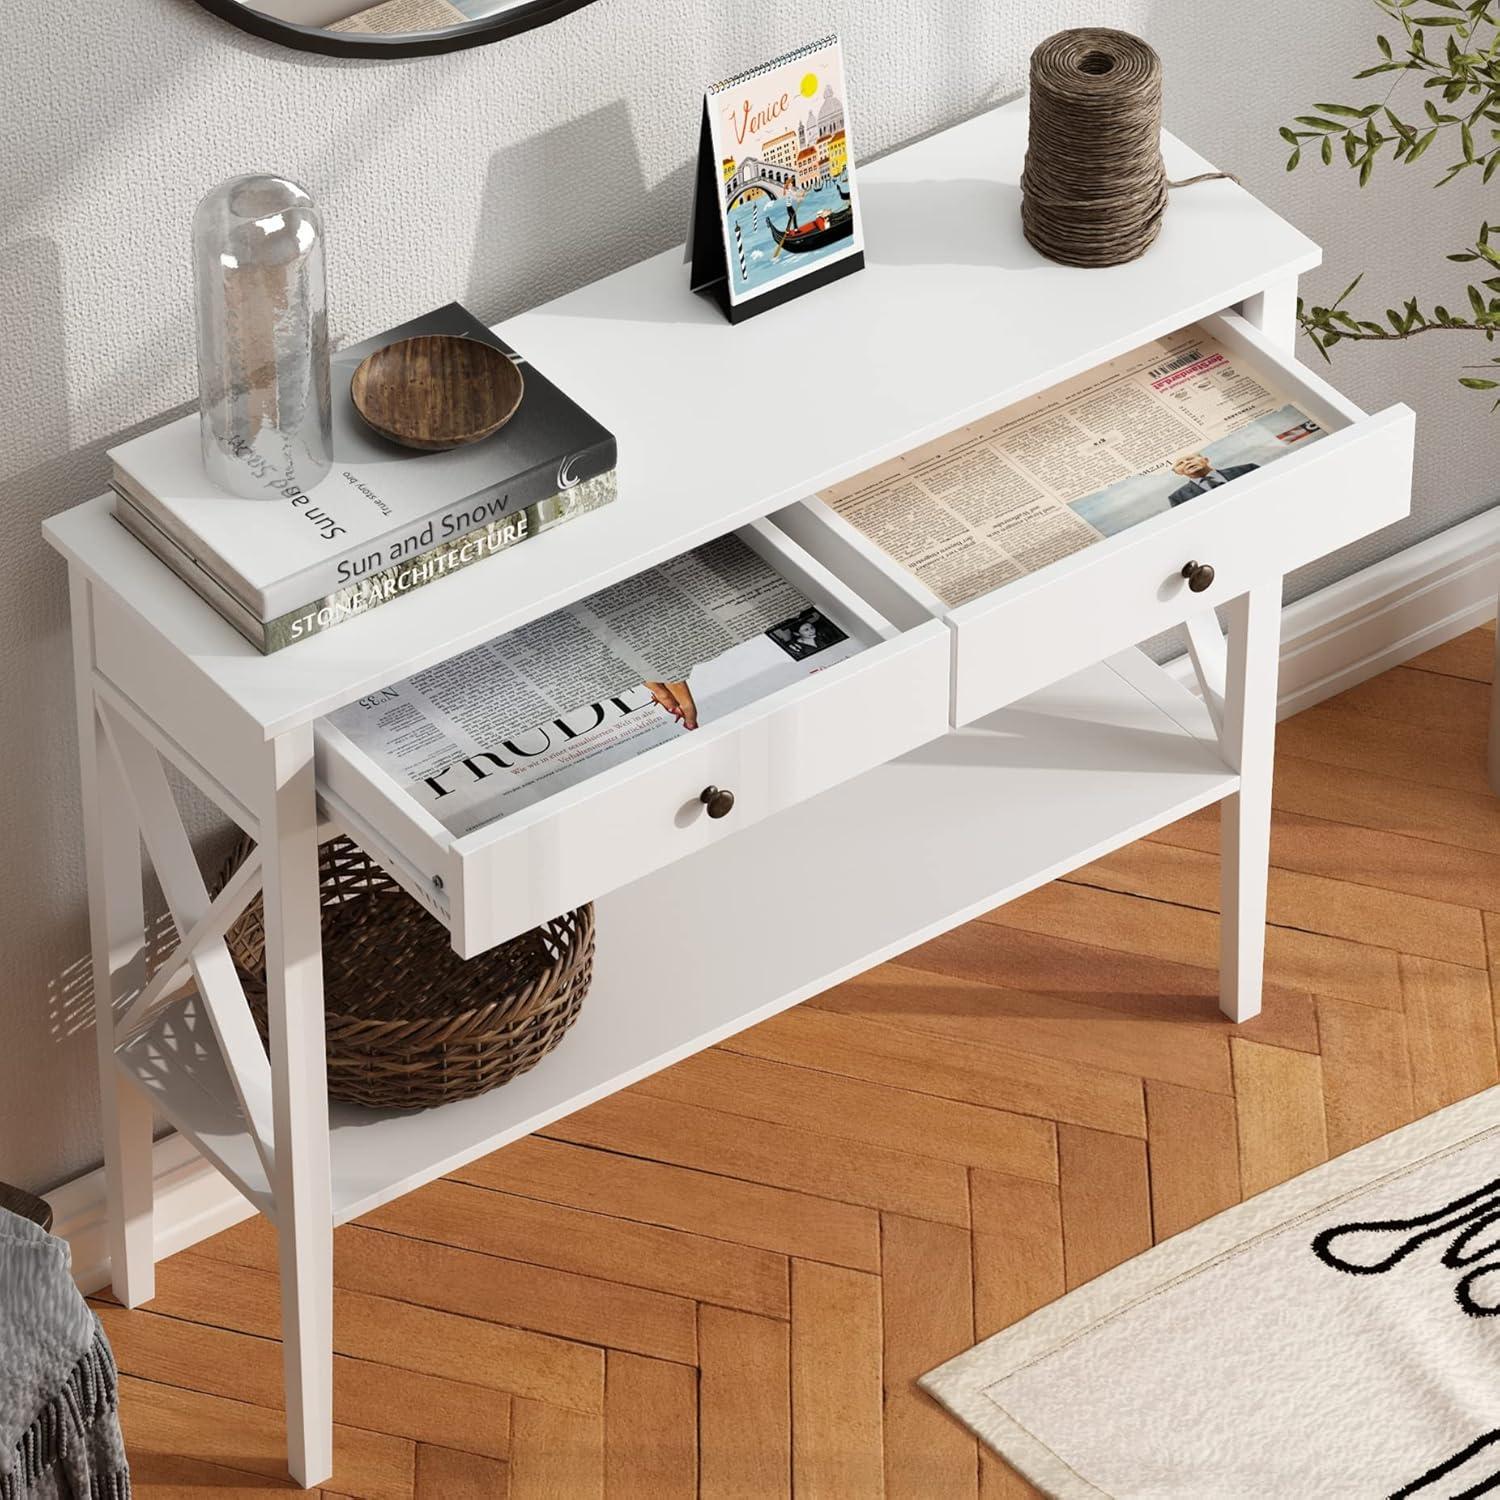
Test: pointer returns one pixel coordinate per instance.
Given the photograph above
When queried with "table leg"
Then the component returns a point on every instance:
(1274, 312)
(112, 855)
(1248, 740)
(301, 1182)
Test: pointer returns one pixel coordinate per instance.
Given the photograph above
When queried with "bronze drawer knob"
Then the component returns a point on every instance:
(717, 799)
(1199, 575)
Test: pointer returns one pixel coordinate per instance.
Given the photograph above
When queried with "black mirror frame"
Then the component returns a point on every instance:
(523, 17)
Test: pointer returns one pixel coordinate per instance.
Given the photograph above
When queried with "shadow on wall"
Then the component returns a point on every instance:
(528, 249)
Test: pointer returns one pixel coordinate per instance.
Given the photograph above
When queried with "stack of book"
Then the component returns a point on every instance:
(385, 521)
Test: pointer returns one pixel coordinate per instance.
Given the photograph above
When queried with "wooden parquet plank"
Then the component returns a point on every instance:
(1427, 754)
(1307, 961)
(556, 1454)
(727, 1208)
(1318, 903)
(1408, 695)
(999, 1077)
(1193, 1150)
(1470, 655)
(242, 1367)
(388, 1331)
(1018, 1249)
(585, 1309)
(712, 1140)
(666, 1260)
(1106, 1200)
(1492, 943)
(837, 1446)
(978, 1013)
(237, 1435)
(899, 1119)
(1367, 1088)
(1050, 1025)
(650, 1429)
(927, 1316)
(446, 1474)
(174, 1476)
(1464, 820)
(745, 1407)
(1395, 866)
(1279, 1106)
(1450, 1031)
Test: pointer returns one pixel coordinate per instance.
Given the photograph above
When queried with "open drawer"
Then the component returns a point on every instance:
(1115, 592)
(632, 818)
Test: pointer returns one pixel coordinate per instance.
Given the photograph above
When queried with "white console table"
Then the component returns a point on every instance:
(970, 755)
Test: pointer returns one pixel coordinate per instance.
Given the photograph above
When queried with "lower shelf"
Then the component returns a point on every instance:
(763, 920)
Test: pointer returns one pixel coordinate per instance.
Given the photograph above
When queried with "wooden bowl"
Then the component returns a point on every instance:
(437, 391)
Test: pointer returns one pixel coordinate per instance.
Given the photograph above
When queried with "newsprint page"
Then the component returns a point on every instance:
(1025, 486)
(546, 706)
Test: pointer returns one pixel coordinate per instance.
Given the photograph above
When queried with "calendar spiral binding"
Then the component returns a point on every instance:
(763, 68)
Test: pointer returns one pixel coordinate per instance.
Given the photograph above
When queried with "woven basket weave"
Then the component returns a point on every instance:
(409, 1022)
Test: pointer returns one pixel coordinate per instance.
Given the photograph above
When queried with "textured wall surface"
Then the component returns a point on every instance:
(500, 176)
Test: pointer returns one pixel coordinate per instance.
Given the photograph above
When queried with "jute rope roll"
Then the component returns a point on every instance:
(1094, 189)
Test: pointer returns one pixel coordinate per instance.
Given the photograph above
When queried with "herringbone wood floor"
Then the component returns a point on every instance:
(724, 1281)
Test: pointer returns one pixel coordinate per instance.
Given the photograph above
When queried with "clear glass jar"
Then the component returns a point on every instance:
(262, 317)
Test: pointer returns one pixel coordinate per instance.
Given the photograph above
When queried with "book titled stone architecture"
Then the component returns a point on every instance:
(386, 521)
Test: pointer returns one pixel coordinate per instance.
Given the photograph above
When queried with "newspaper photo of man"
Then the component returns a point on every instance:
(1202, 476)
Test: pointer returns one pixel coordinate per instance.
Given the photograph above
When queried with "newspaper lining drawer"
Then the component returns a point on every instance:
(1130, 586)
(635, 817)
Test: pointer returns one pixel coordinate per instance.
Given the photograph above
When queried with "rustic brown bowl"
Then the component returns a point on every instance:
(437, 391)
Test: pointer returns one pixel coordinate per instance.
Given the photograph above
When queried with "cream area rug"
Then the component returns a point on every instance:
(1337, 1336)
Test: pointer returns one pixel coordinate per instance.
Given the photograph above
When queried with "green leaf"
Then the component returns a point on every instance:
(1390, 67)
(1492, 165)
(1384, 45)
(1289, 136)
(1293, 161)
(1366, 167)
(1348, 289)
(1327, 150)
(1467, 136)
(1475, 384)
(1423, 143)
(1318, 123)
(1476, 301)
(1348, 110)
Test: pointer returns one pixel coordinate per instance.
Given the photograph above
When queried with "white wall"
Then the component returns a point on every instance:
(501, 176)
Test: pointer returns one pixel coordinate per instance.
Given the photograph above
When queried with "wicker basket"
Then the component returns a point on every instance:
(409, 1022)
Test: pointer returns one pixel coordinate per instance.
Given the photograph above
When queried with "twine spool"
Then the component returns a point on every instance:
(1094, 189)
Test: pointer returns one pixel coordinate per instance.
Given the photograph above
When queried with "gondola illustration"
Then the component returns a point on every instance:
(823, 230)
(843, 192)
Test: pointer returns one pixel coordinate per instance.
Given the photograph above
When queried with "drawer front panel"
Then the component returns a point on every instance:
(1122, 590)
(1266, 524)
(890, 699)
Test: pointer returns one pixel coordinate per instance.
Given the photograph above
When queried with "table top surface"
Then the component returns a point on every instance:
(955, 315)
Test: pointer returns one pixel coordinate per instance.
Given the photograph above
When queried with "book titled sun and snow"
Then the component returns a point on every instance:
(385, 521)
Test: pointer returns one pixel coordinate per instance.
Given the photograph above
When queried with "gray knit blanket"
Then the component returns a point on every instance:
(59, 1423)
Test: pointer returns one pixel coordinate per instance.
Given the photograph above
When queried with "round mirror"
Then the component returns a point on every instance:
(388, 28)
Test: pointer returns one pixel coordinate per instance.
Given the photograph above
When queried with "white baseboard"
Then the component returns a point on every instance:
(1331, 640)
(1385, 614)
(192, 1202)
